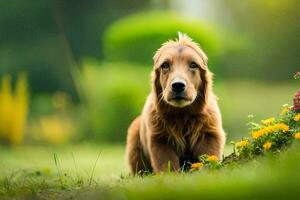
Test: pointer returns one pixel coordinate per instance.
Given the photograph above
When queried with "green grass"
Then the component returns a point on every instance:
(46, 171)
(40, 158)
(31, 172)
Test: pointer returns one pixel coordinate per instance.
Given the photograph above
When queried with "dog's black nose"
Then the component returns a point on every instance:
(178, 87)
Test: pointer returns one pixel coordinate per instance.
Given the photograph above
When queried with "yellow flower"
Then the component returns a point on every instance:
(283, 127)
(297, 117)
(257, 134)
(285, 109)
(242, 143)
(297, 135)
(270, 129)
(212, 158)
(268, 121)
(267, 145)
(196, 166)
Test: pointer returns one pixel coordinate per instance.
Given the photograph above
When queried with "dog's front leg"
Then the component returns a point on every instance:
(162, 157)
(210, 143)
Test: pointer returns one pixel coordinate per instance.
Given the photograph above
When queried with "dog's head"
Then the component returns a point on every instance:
(180, 72)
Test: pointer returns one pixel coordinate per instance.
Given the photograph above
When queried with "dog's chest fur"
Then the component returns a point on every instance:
(181, 132)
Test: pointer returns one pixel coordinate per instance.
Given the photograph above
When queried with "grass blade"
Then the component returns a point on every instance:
(91, 177)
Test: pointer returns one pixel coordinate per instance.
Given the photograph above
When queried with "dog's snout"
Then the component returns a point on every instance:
(178, 86)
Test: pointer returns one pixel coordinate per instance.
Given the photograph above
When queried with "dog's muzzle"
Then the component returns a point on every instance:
(178, 87)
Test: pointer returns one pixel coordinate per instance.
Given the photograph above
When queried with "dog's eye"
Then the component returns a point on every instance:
(193, 65)
(165, 66)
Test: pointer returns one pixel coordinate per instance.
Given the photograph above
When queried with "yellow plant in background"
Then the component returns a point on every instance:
(56, 129)
(13, 110)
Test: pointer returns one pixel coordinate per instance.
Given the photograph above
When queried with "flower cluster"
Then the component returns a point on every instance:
(267, 145)
(242, 144)
(285, 110)
(196, 166)
(268, 121)
(270, 135)
(297, 117)
(297, 75)
(297, 96)
(297, 135)
(270, 129)
(297, 102)
(207, 161)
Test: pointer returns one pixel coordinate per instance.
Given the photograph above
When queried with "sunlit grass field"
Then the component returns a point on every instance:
(46, 171)
(75, 159)
(98, 171)
(31, 172)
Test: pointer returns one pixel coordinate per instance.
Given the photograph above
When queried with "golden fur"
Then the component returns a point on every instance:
(171, 130)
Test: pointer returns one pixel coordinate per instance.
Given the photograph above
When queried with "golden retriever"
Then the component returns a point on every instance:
(181, 119)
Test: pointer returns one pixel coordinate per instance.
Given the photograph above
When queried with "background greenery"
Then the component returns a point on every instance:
(88, 64)
(125, 38)
(74, 74)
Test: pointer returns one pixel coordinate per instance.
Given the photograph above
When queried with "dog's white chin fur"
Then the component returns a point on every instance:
(180, 103)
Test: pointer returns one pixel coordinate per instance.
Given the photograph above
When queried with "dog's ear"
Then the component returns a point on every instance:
(156, 57)
(200, 52)
(156, 86)
(155, 76)
(204, 58)
(206, 86)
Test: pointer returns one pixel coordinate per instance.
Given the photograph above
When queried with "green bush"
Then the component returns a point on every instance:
(113, 95)
(137, 37)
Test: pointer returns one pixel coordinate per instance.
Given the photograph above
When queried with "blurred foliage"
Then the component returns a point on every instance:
(30, 42)
(271, 135)
(55, 129)
(253, 40)
(42, 38)
(272, 29)
(52, 120)
(113, 95)
(39, 36)
(136, 38)
(13, 110)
